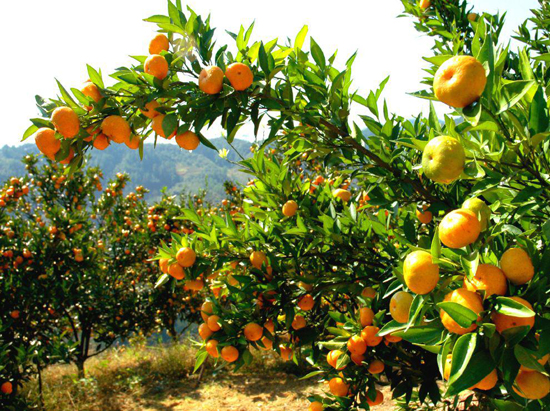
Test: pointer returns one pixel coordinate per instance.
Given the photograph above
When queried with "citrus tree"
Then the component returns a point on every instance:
(415, 252)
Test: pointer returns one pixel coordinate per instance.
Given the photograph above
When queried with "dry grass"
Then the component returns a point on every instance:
(160, 379)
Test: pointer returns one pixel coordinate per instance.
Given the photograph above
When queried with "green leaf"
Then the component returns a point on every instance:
(163, 279)
(436, 247)
(470, 263)
(317, 54)
(311, 374)
(158, 19)
(299, 41)
(462, 315)
(480, 365)
(29, 132)
(462, 354)
(421, 334)
(67, 97)
(508, 306)
(538, 113)
(527, 358)
(201, 357)
(169, 124)
(513, 92)
(95, 76)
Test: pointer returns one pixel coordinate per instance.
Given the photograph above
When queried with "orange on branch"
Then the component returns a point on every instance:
(158, 44)
(239, 75)
(65, 121)
(419, 272)
(460, 81)
(116, 128)
(211, 80)
(156, 125)
(465, 298)
(400, 306)
(157, 66)
(488, 278)
(186, 257)
(230, 353)
(188, 140)
(517, 266)
(504, 322)
(46, 142)
(459, 228)
(253, 331)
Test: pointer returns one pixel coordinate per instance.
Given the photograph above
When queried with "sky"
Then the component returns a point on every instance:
(47, 40)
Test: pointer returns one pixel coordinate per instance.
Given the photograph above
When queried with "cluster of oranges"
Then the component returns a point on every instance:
(14, 191)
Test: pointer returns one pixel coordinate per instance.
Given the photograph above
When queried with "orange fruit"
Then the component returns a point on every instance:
(424, 4)
(230, 353)
(101, 142)
(466, 298)
(400, 306)
(157, 66)
(541, 361)
(286, 352)
(65, 121)
(211, 80)
(342, 194)
(92, 91)
(186, 257)
(253, 331)
(116, 128)
(188, 140)
(195, 285)
(258, 259)
(156, 125)
(299, 322)
(447, 367)
(392, 338)
(488, 278)
(443, 159)
(163, 265)
(356, 345)
(376, 367)
(425, 217)
(133, 142)
(306, 302)
(419, 272)
(460, 81)
(357, 359)
(377, 401)
(176, 271)
(504, 322)
(204, 331)
(369, 335)
(206, 310)
(517, 266)
(459, 228)
(532, 385)
(332, 358)
(366, 316)
(69, 157)
(46, 142)
(315, 406)
(338, 387)
(150, 109)
(368, 292)
(158, 44)
(472, 16)
(239, 75)
(268, 344)
(213, 323)
(14, 314)
(488, 382)
(290, 208)
(270, 326)
(212, 348)
(6, 388)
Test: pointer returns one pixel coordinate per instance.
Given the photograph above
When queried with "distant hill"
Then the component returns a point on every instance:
(164, 166)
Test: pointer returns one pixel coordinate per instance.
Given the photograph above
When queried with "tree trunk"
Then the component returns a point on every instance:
(40, 387)
(80, 366)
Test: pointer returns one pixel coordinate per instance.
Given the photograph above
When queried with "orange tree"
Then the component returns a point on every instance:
(422, 252)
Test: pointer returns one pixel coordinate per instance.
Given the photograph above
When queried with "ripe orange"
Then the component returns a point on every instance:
(258, 259)
(158, 44)
(239, 75)
(253, 331)
(46, 142)
(315, 406)
(472, 16)
(356, 345)
(376, 367)
(101, 142)
(424, 4)
(188, 140)
(366, 316)
(6, 388)
(392, 338)
(212, 348)
(156, 125)
(150, 109)
(377, 401)
(332, 359)
(14, 314)
(447, 367)
(425, 217)
(443, 159)
(342, 194)
(204, 331)
(488, 382)
(195, 285)
(338, 387)
(206, 310)
(517, 266)
(299, 322)
(211, 80)
(468, 299)
(488, 278)
(504, 322)
(460, 81)
(368, 292)
(157, 66)
(230, 353)
(69, 157)
(176, 271)
(92, 91)
(268, 344)
(306, 302)
(213, 323)
(116, 128)
(400, 306)
(65, 121)
(186, 257)
(286, 352)
(133, 142)
(290, 208)
(459, 228)
(357, 359)
(419, 272)
(532, 385)
(369, 335)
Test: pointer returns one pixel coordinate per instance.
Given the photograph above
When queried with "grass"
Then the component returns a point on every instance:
(140, 377)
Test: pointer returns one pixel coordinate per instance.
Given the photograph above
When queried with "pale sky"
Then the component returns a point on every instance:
(44, 40)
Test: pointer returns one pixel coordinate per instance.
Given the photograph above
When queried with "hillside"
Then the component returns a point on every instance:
(164, 166)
